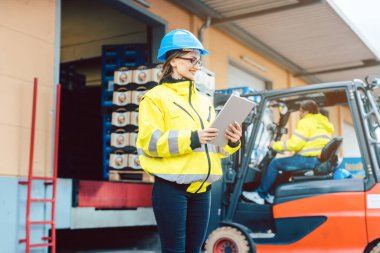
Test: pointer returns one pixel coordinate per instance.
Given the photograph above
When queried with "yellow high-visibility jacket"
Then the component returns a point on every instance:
(168, 114)
(312, 133)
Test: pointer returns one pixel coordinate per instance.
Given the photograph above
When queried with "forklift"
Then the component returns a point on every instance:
(312, 211)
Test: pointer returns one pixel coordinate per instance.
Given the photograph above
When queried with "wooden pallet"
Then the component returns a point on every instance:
(137, 176)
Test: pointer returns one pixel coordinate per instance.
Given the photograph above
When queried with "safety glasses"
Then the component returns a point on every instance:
(193, 61)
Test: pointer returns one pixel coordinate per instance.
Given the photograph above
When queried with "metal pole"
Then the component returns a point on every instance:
(55, 173)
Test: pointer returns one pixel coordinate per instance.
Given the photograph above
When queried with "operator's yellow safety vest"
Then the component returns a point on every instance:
(312, 133)
(168, 114)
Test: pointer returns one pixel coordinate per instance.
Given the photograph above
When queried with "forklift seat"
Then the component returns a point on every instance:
(328, 159)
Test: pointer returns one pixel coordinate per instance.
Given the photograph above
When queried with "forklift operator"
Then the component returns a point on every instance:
(313, 131)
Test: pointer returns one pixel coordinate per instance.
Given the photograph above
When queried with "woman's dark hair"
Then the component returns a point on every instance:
(310, 106)
(167, 69)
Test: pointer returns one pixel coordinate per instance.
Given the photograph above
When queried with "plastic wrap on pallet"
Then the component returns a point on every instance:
(122, 161)
(136, 96)
(134, 118)
(205, 82)
(118, 63)
(132, 139)
(129, 86)
(135, 86)
(156, 73)
(120, 119)
(122, 76)
(119, 139)
(133, 162)
(118, 160)
(115, 57)
(121, 98)
(205, 79)
(129, 100)
(122, 139)
(125, 120)
(141, 75)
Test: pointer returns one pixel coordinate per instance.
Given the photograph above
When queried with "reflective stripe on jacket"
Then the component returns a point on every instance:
(167, 115)
(312, 133)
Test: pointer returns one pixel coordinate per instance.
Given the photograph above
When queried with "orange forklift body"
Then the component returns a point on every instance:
(358, 225)
(344, 211)
(311, 213)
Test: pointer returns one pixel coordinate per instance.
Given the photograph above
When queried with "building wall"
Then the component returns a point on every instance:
(27, 33)
(27, 50)
(29, 29)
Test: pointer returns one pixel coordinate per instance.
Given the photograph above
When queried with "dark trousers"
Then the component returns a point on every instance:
(291, 163)
(182, 217)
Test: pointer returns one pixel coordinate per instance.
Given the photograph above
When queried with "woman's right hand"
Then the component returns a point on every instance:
(207, 135)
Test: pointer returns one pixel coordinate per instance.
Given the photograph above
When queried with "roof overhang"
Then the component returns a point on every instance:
(309, 38)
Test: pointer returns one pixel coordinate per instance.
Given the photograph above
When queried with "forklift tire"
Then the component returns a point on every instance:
(227, 239)
(376, 249)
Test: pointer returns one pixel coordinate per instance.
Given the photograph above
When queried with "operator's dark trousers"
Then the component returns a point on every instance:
(291, 163)
(182, 217)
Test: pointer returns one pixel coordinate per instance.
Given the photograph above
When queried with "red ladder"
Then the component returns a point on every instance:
(50, 240)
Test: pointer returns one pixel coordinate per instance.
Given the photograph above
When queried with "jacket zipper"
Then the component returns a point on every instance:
(206, 147)
(184, 110)
(209, 114)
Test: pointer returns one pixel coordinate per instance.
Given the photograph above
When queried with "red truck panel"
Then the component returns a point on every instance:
(103, 194)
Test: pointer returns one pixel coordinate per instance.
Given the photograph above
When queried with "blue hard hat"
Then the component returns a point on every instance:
(179, 39)
(341, 174)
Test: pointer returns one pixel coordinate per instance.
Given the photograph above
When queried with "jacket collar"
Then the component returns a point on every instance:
(181, 87)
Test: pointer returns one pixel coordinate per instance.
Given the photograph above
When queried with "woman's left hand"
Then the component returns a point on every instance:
(233, 133)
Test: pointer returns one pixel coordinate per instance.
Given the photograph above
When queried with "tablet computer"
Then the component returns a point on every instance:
(235, 109)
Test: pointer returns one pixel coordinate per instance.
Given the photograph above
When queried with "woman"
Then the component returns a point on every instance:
(173, 144)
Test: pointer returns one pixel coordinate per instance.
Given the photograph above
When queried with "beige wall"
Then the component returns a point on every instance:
(27, 51)
(27, 30)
